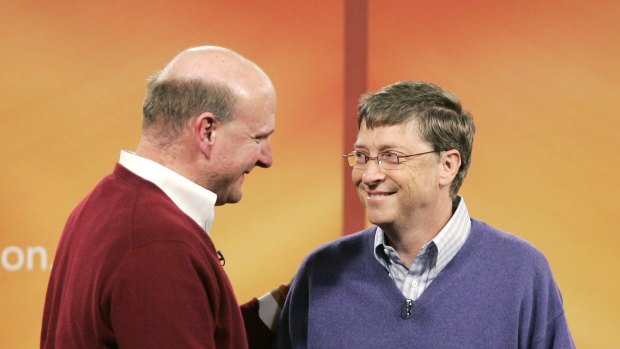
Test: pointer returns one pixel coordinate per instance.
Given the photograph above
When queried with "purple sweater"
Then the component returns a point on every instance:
(497, 292)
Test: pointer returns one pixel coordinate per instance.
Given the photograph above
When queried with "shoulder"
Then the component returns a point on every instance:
(135, 208)
(347, 244)
(336, 259)
(508, 249)
(349, 247)
(492, 237)
(162, 222)
(523, 274)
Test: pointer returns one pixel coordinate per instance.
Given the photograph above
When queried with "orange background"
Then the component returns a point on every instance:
(541, 80)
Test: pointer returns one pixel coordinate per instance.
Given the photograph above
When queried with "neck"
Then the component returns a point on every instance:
(421, 227)
(170, 155)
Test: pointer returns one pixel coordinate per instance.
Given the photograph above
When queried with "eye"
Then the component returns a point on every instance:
(390, 157)
(360, 157)
(259, 139)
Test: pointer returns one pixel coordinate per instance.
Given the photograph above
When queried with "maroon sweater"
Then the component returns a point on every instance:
(133, 271)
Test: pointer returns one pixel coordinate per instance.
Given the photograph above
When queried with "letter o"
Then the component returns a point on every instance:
(20, 258)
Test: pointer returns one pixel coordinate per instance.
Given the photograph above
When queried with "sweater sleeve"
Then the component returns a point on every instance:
(558, 335)
(551, 329)
(292, 329)
(164, 296)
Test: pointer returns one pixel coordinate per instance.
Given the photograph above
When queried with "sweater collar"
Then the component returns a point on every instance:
(195, 201)
(448, 241)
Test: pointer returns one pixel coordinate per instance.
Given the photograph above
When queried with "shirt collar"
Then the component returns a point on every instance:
(448, 241)
(195, 201)
(453, 235)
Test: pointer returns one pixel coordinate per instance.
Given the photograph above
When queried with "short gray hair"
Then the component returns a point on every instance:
(170, 103)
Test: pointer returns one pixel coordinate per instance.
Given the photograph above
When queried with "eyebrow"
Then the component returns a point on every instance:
(381, 148)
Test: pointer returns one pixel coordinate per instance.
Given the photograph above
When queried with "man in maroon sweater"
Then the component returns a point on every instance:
(135, 267)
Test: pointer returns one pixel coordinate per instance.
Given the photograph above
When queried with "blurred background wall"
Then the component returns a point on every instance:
(541, 79)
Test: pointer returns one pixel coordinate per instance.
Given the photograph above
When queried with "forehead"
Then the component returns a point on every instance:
(404, 135)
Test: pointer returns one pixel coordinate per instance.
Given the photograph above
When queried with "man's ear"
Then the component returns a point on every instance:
(450, 161)
(204, 131)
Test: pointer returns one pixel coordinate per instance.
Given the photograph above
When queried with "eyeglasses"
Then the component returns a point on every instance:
(387, 160)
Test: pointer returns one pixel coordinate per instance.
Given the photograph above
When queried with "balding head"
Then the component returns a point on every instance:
(202, 79)
(216, 64)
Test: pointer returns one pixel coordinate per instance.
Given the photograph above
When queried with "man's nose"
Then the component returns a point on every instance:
(373, 171)
(265, 158)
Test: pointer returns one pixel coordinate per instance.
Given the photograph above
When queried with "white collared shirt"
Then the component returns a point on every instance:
(194, 200)
(431, 259)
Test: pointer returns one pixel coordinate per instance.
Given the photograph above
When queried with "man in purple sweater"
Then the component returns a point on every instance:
(426, 274)
(135, 266)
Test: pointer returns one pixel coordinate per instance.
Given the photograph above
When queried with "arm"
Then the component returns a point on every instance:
(261, 317)
(558, 335)
(552, 332)
(293, 324)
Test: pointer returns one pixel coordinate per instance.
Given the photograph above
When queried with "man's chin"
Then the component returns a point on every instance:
(234, 200)
(230, 199)
(377, 218)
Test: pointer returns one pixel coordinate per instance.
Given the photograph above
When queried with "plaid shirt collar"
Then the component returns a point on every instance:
(448, 241)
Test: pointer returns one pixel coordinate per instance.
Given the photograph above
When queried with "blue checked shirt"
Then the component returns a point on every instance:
(431, 259)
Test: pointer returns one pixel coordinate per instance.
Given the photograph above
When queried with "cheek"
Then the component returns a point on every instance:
(356, 176)
(245, 156)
